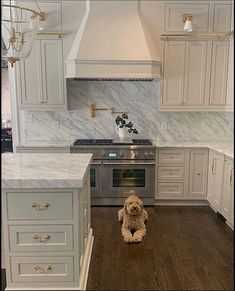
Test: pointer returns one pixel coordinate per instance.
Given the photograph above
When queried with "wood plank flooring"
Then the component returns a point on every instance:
(185, 248)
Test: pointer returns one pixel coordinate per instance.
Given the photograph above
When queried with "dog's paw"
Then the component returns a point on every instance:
(128, 239)
(137, 238)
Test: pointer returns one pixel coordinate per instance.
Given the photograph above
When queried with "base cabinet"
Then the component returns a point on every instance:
(181, 173)
(227, 209)
(215, 180)
(48, 237)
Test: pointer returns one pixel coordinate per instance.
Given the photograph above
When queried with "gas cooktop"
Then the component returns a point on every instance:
(107, 142)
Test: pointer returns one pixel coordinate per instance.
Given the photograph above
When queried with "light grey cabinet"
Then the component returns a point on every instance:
(228, 192)
(48, 237)
(41, 75)
(181, 174)
(215, 179)
(197, 68)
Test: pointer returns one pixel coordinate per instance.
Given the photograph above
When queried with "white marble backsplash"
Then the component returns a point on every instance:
(140, 99)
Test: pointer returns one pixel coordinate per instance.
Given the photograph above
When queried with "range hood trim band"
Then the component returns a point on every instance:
(130, 69)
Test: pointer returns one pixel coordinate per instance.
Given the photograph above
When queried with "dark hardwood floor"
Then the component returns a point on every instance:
(185, 248)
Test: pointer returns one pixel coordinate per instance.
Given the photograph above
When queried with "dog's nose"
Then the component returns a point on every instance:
(134, 207)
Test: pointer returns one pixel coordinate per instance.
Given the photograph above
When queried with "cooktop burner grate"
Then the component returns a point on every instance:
(110, 142)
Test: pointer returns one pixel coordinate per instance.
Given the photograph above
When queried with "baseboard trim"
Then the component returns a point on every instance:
(182, 202)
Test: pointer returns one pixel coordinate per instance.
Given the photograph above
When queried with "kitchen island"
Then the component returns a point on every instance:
(46, 220)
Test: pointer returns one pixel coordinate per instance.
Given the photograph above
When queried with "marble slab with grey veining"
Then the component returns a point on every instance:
(226, 148)
(44, 170)
(140, 99)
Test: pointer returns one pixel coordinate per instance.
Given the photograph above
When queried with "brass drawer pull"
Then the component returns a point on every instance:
(170, 189)
(41, 269)
(38, 207)
(39, 239)
(230, 178)
(213, 166)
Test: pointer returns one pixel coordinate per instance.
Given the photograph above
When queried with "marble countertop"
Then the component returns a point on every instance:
(46, 143)
(44, 170)
(221, 147)
(225, 148)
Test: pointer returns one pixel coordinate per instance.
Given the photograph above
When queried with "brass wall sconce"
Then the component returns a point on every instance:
(187, 19)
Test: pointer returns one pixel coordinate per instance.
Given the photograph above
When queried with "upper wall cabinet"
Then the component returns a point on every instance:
(197, 66)
(222, 17)
(174, 16)
(53, 14)
(42, 83)
(40, 77)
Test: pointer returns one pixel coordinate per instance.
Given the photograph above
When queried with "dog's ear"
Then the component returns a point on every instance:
(125, 208)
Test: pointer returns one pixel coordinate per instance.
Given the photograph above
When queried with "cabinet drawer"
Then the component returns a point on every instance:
(42, 269)
(40, 238)
(170, 189)
(171, 156)
(170, 173)
(38, 205)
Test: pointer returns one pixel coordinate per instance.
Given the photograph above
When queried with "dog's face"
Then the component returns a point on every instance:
(133, 205)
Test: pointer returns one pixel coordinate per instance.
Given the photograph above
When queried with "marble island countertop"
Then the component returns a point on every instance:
(45, 143)
(44, 170)
(225, 148)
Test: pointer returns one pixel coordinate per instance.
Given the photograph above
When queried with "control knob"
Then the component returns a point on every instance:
(121, 155)
(151, 155)
(146, 155)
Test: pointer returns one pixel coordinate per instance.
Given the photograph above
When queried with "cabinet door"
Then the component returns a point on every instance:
(227, 200)
(219, 72)
(52, 72)
(31, 77)
(173, 72)
(222, 17)
(215, 180)
(198, 172)
(230, 81)
(195, 72)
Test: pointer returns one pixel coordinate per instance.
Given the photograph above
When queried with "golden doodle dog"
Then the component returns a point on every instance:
(133, 217)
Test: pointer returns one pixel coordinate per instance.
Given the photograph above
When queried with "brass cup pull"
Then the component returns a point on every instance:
(42, 269)
(38, 207)
(39, 239)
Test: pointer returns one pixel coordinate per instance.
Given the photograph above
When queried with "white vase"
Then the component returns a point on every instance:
(121, 132)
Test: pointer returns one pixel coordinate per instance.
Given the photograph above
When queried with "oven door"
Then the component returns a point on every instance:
(96, 179)
(122, 178)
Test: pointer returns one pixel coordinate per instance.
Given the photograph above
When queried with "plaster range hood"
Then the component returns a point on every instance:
(112, 42)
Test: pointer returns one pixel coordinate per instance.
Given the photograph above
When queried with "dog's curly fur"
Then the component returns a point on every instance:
(133, 215)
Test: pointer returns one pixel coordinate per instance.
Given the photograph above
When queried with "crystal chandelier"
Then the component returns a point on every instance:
(19, 26)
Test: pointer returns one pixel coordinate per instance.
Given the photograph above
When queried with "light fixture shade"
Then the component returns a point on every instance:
(18, 29)
(188, 26)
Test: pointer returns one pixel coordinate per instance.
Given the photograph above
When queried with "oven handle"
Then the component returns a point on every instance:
(129, 163)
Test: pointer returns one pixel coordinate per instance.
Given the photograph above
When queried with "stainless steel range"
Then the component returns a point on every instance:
(119, 169)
